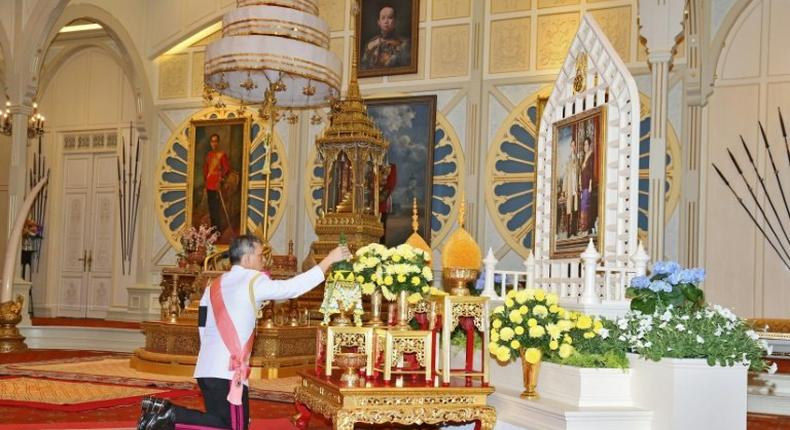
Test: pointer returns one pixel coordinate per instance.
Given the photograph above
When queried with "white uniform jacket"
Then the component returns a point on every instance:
(213, 359)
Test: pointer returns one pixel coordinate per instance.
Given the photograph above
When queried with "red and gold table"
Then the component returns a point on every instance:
(411, 404)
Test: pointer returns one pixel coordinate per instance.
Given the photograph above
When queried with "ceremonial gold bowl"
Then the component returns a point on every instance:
(350, 362)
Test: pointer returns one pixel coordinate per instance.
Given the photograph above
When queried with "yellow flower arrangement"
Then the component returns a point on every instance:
(366, 265)
(531, 324)
(404, 268)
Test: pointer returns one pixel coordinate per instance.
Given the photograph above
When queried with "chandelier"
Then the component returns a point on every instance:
(35, 125)
(274, 53)
(274, 44)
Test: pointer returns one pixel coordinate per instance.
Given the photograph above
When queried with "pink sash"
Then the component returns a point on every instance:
(239, 358)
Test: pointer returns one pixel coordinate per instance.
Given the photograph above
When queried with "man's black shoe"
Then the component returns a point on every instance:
(164, 419)
(153, 404)
(145, 417)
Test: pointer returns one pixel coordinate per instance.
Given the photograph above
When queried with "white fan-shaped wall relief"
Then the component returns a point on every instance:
(608, 82)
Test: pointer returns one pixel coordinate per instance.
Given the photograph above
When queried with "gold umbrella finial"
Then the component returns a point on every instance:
(415, 224)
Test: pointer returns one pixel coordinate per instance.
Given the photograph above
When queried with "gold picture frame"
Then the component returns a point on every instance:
(234, 142)
(578, 181)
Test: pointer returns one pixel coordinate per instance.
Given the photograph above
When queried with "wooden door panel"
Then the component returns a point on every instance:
(71, 297)
(74, 223)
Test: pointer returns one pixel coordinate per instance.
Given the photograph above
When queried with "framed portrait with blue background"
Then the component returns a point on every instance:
(408, 123)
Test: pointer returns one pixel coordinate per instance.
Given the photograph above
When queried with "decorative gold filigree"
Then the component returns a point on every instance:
(395, 405)
(347, 340)
(401, 346)
(474, 310)
(580, 79)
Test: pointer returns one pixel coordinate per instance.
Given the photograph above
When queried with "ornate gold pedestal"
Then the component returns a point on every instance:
(277, 353)
(10, 316)
(390, 405)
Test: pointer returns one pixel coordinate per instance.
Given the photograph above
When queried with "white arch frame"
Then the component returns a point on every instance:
(130, 59)
(606, 69)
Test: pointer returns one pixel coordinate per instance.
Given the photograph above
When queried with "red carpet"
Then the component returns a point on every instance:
(265, 414)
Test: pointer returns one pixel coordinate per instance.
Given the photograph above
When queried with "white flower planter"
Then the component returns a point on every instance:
(689, 394)
(572, 386)
(585, 387)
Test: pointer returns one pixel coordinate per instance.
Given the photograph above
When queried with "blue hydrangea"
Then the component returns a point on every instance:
(678, 277)
(640, 282)
(697, 275)
(660, 285)
(665, 267)
(687, 276)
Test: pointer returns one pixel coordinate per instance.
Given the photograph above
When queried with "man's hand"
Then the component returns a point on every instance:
(338, 254)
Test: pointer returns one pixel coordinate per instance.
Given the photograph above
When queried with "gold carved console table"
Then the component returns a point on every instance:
(373, 404)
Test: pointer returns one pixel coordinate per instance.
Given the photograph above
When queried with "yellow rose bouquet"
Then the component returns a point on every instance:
(367, 266)
(531, 324)
(404, 268)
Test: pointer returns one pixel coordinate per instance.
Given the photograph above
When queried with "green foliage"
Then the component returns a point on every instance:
(712, 333)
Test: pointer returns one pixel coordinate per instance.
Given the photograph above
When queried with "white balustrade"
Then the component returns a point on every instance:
(588, 280)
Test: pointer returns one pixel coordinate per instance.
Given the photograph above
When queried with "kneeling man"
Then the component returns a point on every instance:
(226, 320)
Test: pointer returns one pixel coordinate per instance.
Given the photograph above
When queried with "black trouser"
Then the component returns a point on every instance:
(215, 208)
(215, 393)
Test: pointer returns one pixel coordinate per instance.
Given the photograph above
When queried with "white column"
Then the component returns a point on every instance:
(661, 22)
(695, 96)
(659, 61)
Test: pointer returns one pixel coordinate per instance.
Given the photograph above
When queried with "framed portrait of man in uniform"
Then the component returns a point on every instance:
(387, 32)
(217, 172)
(577, 181)
(409, 124)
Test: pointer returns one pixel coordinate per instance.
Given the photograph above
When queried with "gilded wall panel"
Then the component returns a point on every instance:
(509, 48)
(173, 76)
(446, 9)
(616, 25)
(555, 33)
(502, 6)
(197, 73)
(334, 13)
(554, 3)
(450, 51)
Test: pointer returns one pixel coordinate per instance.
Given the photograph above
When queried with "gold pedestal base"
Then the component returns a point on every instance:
(10, 316)
(172, 349)
(11, 340)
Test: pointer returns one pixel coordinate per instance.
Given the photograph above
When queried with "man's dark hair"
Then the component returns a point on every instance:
(241, 246)
(212, 136)
(394, 11)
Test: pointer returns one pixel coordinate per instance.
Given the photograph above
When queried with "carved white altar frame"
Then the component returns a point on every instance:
(609, 82)
(596, 281)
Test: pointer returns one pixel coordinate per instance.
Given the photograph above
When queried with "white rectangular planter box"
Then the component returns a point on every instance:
(585, 387)
(571, 386)
(687, 394)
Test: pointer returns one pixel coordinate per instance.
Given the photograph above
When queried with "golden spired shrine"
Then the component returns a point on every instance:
(352, 150)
